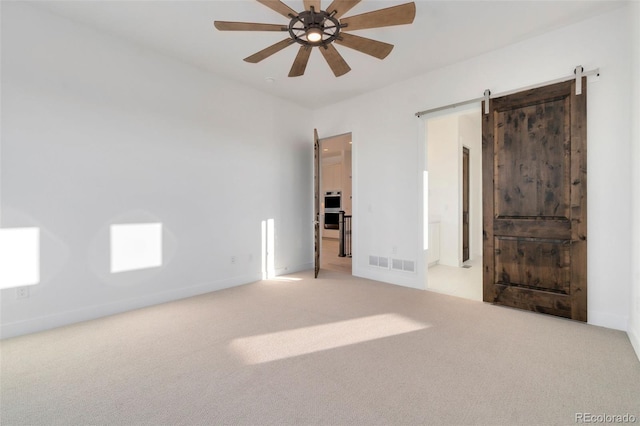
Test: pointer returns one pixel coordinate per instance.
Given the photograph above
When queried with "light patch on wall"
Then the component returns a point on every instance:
(136, 246)
(425, 209)
(19, 257)
(268, 249)
(316, 338)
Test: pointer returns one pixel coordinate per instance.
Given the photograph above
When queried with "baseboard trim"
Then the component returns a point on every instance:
(607, 320)
(389, 277)
(634, 337)
(293, 269)
(60, 319)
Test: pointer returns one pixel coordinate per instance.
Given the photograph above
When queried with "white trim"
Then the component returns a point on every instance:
(605, 319)
(634, 337)
(59, 319)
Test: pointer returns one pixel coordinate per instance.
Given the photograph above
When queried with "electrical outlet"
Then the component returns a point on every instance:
(22, 292)
(234, 259)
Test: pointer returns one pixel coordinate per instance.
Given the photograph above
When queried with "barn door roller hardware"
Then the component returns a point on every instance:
(487, 93)
(578, 73)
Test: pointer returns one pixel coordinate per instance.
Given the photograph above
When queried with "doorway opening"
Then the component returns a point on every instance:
(336, 195)
(454, 166)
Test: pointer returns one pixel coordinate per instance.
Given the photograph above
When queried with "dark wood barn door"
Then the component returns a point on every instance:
(316, 203)
(534, 201)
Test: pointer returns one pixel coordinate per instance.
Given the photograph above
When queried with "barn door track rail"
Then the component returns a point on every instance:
(577, 74)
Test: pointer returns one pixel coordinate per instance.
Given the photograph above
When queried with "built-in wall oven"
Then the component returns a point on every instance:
(332, 207)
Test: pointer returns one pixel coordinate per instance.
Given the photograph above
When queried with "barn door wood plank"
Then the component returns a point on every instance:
(579, 202)
(534, 201)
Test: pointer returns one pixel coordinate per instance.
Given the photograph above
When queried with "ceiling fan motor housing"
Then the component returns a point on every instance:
(300, 26)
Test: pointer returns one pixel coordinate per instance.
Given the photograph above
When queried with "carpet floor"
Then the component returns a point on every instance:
(338, 350)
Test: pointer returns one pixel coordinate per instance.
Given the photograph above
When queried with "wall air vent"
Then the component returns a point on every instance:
(396, 264)
(379, 262)
(403, 265)
(409, 266)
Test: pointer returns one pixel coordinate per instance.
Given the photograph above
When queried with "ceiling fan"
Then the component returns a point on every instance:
(315, 27)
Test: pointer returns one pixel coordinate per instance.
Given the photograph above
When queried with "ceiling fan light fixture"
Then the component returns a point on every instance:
(314, 35)
(315, 27)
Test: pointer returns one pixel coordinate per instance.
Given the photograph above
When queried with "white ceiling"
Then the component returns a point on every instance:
(443, 32)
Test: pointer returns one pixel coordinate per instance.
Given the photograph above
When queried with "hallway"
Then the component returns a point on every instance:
(329, 258)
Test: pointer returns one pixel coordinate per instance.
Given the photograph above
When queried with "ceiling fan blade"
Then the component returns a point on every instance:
(279, 7)
(371, 47)
(265, 53)
(396, 15)
(247, 26)
(341, 6)
(335, 60)
(300, 63)
(314, 3)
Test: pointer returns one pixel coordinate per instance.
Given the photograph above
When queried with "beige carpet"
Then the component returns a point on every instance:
(336, 351)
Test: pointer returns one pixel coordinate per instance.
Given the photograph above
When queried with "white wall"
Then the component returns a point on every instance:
(444, 165)
(97, 131)
(634, 317)
(388, 176)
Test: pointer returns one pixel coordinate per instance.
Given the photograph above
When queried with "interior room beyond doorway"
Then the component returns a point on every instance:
(335, 196)
(455, 226)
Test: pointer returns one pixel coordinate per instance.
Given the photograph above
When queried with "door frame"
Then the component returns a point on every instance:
(466, 199)
(354, 224)
(317, 236)
(423, 187)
